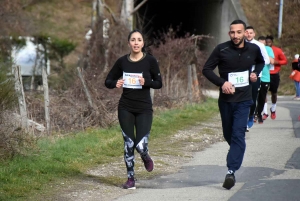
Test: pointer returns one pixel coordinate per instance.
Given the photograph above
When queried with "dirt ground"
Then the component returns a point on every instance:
(104, 182)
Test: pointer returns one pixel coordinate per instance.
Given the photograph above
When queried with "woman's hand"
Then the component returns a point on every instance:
(120, 83)
(142, 80)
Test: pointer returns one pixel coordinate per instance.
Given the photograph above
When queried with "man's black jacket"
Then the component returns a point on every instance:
(230, 59)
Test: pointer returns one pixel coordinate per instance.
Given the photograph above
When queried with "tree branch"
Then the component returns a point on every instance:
(138, 7)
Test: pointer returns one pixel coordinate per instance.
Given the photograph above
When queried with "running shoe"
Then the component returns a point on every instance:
(148, 162)
(265, 116)
(273, 114)
(250, 121)
(229, 181)
(260, 120)
(255, 118)
(247, 129)
(130, 184)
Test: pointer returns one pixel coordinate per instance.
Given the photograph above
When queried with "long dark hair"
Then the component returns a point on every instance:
(137, 30)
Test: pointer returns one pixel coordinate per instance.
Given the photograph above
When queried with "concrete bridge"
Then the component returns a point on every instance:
(207, 17)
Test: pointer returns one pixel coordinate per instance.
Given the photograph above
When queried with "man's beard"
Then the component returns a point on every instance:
(238, 44)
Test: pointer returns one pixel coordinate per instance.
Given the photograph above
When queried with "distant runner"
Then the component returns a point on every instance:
(280, 60)
(264, 81)
(250, 34)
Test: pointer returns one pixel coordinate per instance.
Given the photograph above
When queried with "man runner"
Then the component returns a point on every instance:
(279, 60)
(234, 59)
(250, 34)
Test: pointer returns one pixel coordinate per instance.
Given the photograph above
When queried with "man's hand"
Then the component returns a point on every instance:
(276, 62)
(228, 88)
(253, 77)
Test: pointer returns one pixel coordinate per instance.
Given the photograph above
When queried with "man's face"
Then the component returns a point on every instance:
(269, 42)
(262, 41)
(249, 34)
(236, 34)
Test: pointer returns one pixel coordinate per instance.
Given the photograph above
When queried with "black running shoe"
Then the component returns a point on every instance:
(260, 119)
(229, 181)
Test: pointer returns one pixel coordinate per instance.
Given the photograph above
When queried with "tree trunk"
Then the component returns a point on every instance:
(86, 91)
(100, 6)
(94, 13)
(105, 27)
(126, 17)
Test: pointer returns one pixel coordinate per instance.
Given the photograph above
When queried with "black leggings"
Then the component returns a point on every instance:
(264, 86)
(255, 89)
(141, 122)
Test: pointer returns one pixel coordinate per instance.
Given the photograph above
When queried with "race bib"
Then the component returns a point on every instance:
(272, 67)
(239, 79)
(131, 80)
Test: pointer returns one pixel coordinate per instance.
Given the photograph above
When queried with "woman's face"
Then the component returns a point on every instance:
(136, 42)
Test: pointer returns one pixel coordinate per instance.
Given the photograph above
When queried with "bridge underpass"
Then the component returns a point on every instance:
(201, 17)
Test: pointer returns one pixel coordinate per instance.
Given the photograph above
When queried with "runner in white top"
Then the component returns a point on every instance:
(249, 36)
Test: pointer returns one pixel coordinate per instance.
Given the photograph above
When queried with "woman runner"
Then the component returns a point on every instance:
(139, 72)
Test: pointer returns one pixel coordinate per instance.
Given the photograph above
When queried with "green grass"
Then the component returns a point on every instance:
(58, 158)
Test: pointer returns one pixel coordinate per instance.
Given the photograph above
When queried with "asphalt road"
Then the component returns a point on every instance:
(270, 170)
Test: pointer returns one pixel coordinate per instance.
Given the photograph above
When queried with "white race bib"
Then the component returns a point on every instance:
(239, 79)
(131, 80)
(272, 67)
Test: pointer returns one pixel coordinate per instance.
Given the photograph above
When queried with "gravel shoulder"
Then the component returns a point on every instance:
(104, 182)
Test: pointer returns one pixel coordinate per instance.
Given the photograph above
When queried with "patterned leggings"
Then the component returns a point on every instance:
(142, 123)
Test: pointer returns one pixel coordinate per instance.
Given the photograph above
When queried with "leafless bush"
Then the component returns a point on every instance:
(174, 54)
(14, 139)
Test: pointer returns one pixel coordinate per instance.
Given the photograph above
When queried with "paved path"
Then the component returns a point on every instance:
(270, 171)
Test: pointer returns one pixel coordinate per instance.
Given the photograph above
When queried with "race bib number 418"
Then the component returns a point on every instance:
(131, 80)
(239, 79)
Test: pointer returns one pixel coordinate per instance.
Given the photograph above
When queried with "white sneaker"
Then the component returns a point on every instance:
(296, 98)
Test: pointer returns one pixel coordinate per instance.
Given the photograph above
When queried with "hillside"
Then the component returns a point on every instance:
(263, 16)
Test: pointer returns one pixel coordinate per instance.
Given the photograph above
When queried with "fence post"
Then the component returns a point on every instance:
(21, 96)
(196, 83)
(47, 100)
(152, 94)
(189, 74)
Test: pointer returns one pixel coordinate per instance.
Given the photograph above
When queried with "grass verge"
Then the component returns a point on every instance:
(63, 157)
